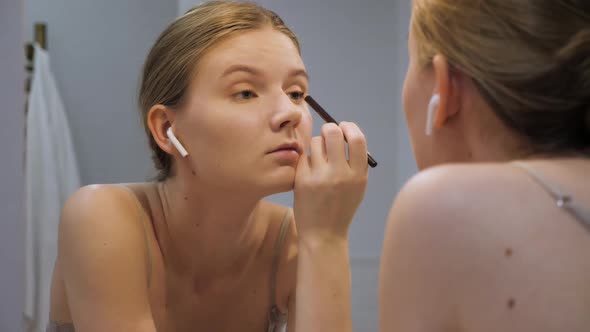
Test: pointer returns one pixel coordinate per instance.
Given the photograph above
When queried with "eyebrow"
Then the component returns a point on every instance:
(241, 68)
(299, 72)
(256, 72)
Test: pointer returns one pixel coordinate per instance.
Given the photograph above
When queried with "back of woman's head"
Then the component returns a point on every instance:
(530, 60)
(173, 60)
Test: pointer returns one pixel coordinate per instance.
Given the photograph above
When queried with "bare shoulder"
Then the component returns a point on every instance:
(474, 204)
(450, 183)
(98, 208)
(102, 260)
(444, 210)
(448, 196)
(432, 243)
(98, 221)
(461, 245)
(464, 212)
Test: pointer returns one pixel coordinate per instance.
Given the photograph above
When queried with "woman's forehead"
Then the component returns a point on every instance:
(258, 48)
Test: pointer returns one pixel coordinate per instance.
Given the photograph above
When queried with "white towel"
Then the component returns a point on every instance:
(51, 176)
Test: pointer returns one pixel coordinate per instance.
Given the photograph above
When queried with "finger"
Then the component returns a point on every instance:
(357, 146)
(318, 151)
(335, 147)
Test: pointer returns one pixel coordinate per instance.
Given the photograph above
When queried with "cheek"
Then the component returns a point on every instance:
(206, 124)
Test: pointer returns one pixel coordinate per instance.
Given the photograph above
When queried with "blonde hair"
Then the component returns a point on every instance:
(530, 60)
(173, 60)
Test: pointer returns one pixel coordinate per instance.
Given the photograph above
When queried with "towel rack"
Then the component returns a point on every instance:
(40, 37)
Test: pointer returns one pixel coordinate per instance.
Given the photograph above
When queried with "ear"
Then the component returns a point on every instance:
(446, 86)
(159, 119)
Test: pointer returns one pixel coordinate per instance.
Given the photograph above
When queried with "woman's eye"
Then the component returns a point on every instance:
(297, 95)
(246, 94)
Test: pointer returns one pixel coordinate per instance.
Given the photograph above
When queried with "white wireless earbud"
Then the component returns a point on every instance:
(432, 105)
(176, 143)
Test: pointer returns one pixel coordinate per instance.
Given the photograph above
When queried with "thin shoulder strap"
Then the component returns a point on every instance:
(145, 232)
(277, 255)
(562, 200)
(148, 250)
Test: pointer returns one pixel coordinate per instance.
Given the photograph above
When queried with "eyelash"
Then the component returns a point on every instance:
(300, 94)
(240, 95)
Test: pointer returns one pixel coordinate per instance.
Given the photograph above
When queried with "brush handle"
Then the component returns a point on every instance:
(324, 115)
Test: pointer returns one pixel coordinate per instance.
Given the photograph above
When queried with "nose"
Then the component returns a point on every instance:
(287, 113)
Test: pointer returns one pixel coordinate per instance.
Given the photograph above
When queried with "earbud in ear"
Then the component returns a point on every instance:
(176, 143)
(432, 105)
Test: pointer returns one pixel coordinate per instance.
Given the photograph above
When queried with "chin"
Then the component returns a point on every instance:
(279, 181)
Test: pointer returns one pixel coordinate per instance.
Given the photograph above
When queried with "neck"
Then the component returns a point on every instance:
(495, 153)
(211, 234)
(494, 142)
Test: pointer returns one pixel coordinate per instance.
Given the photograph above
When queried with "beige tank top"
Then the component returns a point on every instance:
(276, 318)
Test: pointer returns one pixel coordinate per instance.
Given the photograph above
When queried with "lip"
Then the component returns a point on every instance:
(288, 146)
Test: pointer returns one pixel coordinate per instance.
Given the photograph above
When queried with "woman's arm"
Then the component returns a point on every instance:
(323, 286)
(328, 190)
(102, 258)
